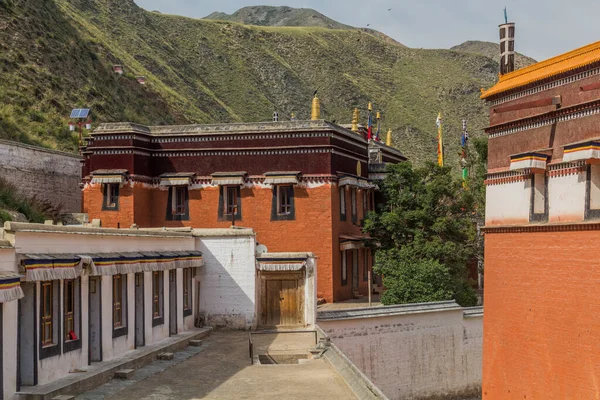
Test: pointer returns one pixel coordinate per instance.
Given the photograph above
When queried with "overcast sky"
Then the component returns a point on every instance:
(545, 28)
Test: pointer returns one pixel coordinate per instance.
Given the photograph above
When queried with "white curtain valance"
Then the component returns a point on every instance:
(179, 181)
(10, 287)
(279, 267)
(108, 179)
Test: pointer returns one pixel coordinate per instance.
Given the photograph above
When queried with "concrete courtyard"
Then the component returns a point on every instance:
(222, 370)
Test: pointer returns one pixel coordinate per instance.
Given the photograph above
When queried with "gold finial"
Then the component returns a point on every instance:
(388, 139)
(316, 108)
(293, 116)
(355, 120)
(378, 115)
(370, 106)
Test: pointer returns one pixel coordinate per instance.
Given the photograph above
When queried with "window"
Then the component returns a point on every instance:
(177, 207)
(365, 202)
(119, 305)
(592, 201)
(366, 265)
(47, 314)
(49, 318)
(157, 298)
(187, 291)
(342, 203)
(539, 193)
(353, 204)
(110, 201)
(344, 269)
(282, 207)
(230, 203)
(71, 314)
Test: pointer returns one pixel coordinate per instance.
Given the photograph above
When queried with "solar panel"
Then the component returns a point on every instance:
(80, 113)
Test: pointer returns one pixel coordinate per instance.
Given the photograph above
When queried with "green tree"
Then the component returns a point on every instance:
(425, 235)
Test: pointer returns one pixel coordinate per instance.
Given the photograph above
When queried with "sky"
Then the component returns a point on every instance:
(544, 28)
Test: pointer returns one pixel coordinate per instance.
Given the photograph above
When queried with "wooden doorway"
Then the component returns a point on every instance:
(282, 300)
(140, 331)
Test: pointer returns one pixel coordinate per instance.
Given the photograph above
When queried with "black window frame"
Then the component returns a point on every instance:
(160, 296)
(68, 344)
(533, 216)
(107, 194)
(276, 215)
(344, 267)
(54, 349)
(187, 285)
(343, 203)
(123, 329)
(222, 214)
(172, 215)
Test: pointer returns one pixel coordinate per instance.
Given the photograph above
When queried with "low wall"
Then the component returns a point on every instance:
(416, 351)
(47, 174)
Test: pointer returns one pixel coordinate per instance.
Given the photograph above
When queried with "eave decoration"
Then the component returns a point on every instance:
(10, 287)
(588, 151)
(177, 179)
(282, 178)
(229, 178)
(110, 176)
(533, 161)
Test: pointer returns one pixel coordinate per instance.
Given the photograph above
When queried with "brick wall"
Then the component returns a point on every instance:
(46, 174)
(542, 323)
(412, 351)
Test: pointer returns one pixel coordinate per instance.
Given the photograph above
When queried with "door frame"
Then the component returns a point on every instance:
(98, 294)
(300, 277)
(139, 291)
(172, 304)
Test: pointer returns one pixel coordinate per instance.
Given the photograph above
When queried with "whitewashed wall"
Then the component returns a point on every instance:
(508, 203)
(227, 289)
(413, 353)
(566, 197)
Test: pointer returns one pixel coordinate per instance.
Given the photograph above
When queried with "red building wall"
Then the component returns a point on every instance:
(541, 320)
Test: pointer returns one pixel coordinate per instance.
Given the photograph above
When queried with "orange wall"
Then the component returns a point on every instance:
(316, 228)
(542, 316)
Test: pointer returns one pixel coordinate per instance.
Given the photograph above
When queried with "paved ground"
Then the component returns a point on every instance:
(221, 369)
(354, 303)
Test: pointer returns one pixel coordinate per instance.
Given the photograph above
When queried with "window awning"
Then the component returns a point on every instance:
(41, 267)
(534, 161)
(588, 150)
(109, 176)
(10, 287)
(280, 266)
(177, 179)
(282, 178)
(355, 181)
(348, 242)
(229, 178)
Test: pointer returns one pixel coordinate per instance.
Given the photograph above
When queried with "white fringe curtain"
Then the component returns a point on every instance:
(10, 287)
(280, 267)
(47, 267)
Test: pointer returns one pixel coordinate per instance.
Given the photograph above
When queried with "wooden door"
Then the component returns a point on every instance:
(282, 303)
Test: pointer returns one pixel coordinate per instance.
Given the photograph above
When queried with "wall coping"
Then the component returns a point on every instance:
(473, 312)
(38, 148)
(207, 232)
(11, 227)
(544, 227)
(284, 256)
(385, 311)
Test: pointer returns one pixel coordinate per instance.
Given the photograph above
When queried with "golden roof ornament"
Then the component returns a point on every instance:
(316, 108)
(388, 139)
(355, 116)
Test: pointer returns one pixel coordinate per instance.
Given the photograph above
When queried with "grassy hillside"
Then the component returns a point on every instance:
(492, 51)
(58, 54)
(278, 16)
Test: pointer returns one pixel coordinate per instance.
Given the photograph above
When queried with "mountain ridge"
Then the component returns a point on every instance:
(59, 55)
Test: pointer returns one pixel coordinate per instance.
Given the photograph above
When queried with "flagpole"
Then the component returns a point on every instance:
(464, 154)
(440, 149)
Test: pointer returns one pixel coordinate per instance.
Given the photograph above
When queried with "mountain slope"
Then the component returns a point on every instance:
(278, 16)
(492, 51)
(59, 55)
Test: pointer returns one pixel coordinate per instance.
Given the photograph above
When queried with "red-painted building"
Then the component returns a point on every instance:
(542, 277)
(301, 185)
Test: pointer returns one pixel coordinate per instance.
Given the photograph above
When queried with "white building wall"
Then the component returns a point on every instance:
(508, 203)
(227, 281)
(566, 197)
(9, 347)
(414, 355)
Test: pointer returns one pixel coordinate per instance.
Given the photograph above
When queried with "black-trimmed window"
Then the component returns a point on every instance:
(366, 265)
(187, 291)
(354, 208)
(158, 298)
(538, 211)
(230, 201)
(344, 268)
(592, 192)
(342, 203)
(119, 305)
(282, 205)
(365, 200)
(110, 200)
(49, 319)
(178, 204)
(72, 314)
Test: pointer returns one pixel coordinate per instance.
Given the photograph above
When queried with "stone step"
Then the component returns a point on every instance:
(124, 373)
(64, 397)
(195, 343)
(165, 356)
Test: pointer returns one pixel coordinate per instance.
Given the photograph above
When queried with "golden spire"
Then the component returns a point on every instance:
(370, 106)
(355, 120)
(378, 115)
(316, 108)
(388, 139)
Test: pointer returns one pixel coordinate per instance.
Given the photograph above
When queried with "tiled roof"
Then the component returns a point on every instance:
(546, 69)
